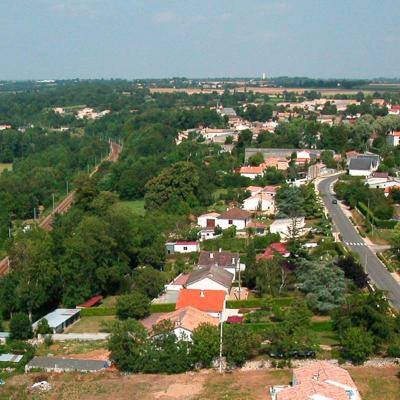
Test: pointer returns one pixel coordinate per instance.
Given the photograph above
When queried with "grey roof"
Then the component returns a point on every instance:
(4, 335)
(216, 274)
(70, 364)
(218, 259)
(229, 111)
(361, 164)
(373, 157)
(58, 316)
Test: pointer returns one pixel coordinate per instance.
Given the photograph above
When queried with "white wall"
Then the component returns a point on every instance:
(239, 223)
(202, 221)
(251, 204)
(251, 176)
(357, 172)
(207, 284)
(186, 248)
(182, 333)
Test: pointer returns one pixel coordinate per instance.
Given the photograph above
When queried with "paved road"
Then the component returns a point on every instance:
(378, 273)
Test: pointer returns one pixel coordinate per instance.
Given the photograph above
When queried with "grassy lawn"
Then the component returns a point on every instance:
(381, 236)
(136, 206)
(90, 324)
(4, 166)
(377, 383)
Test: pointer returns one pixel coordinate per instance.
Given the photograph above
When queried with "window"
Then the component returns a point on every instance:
(184, 247)
(230, 222)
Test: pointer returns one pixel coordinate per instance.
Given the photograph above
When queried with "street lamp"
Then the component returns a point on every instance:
(220, 342)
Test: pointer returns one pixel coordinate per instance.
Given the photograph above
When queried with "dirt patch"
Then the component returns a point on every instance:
(180, 391)
(100, 354)
(373, 383)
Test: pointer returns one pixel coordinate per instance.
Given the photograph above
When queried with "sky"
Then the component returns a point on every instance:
(62, 39)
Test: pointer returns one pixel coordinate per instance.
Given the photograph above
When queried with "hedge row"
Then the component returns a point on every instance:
(316, 326)
(108, 311)
(162, 307)
(260, 302)
(379, 223)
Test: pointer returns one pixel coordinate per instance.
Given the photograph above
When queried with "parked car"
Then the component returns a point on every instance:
(334, 201)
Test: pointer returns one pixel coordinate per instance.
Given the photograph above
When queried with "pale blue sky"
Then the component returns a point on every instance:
(198, 38)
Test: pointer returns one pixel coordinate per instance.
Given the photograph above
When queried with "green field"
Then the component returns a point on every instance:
(136, 206)
(4, 166)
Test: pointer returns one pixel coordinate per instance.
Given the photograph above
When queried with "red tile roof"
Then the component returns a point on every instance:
(313, 388)
(235, 213)
(180, 279)
(272, 249)
(203, 300)
(188, 318)
(325, 372)
(91, 302)
(270, 189)
(188, 243)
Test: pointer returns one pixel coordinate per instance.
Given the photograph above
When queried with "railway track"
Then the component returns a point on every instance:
(64, 205)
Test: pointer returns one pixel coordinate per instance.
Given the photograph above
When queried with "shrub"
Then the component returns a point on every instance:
(43, 327)
(20, 327)
(48, 340)
(135, 305)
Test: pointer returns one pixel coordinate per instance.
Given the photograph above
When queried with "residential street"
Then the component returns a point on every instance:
(352, 239)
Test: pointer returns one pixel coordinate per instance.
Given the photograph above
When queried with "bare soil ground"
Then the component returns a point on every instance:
(373, 383)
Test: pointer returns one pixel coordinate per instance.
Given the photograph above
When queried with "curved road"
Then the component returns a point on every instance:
(378, 273)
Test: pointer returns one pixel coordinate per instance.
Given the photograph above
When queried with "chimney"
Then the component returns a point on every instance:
(202, 293)
(233, 260)
(211, 254)
(219, 250)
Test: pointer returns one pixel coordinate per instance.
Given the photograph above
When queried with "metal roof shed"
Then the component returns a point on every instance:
(60, 318)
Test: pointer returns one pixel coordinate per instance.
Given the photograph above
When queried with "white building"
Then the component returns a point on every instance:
(210, 278)
(361, 167)
(393, 138)
(234, 217)
(60, 319)
(260, 202)
(182, 247)
(208, 220)
(286, 226)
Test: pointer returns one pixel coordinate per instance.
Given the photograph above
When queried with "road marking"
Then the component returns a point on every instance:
(354, 244)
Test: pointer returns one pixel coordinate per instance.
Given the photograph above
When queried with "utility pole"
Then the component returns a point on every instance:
(53, 200)
(34, 213)
(67, 187)
(220, 343)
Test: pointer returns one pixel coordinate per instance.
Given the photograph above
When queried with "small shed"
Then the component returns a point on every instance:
(93, 301)
(60, 319)
(13, 358)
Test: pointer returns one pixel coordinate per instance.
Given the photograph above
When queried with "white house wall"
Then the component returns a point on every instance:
(239, 223)
(207, 284)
